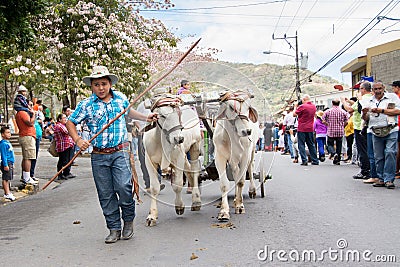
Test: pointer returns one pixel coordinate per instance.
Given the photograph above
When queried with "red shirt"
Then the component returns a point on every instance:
(305, 114)
(23, 120)
(63, 140)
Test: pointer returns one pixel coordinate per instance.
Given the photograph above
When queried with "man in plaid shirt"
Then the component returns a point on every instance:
(64, 147)
(336, 119)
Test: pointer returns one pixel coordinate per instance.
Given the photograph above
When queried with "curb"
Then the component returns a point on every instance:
(26, 191)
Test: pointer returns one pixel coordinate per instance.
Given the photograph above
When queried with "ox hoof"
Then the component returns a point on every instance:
(150, 222)
(179, 210)
(239, 210)
(223, 217)
(252, 194)
(196, 206)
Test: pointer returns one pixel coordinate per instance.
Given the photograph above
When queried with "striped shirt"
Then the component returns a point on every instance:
(97, 114)
(63, 140)
(336, 119)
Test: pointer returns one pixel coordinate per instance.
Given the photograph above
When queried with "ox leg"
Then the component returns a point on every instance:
(177, 186)
(194, 177)
(252, 187)
(220, 164)
(240, 176)
(154, 190)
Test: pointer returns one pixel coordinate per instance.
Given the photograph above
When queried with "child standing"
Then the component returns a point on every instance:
(7, 161)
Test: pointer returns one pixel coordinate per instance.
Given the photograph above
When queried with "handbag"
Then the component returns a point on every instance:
(52, 148)
(382, 131)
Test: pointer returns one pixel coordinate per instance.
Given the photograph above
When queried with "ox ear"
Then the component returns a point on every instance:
(221, 111)
(253, 114)
(147, 103)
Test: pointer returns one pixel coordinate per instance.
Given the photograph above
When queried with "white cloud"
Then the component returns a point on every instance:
(243, 33)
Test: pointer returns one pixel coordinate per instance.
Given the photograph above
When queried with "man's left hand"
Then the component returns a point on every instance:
(152, 117)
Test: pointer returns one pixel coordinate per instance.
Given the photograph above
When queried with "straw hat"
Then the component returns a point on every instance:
(99, 72)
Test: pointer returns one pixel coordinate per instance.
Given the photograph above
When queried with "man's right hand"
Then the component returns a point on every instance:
(82, 144)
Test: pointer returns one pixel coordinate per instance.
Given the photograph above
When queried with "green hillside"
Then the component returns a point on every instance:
(273, 83)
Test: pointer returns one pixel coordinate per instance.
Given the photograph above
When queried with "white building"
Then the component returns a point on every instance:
(324, 100)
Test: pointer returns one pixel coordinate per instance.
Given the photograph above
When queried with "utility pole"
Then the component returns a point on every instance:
(298, 90)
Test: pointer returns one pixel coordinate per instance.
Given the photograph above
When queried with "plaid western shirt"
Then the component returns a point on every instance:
(336, 119)
(97, 114)
(63, 140)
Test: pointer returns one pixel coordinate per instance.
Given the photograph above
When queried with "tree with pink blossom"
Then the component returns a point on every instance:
(74, 38)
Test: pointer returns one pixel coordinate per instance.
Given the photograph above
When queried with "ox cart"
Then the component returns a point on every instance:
(207, 105)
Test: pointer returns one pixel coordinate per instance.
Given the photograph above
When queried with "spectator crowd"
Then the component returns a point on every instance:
(362, 130)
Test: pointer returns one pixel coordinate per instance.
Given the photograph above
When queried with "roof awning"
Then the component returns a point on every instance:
(355, 64)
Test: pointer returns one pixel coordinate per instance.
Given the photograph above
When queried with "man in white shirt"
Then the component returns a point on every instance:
(290, 124)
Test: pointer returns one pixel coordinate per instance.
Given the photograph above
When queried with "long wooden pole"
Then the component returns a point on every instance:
(125, 110)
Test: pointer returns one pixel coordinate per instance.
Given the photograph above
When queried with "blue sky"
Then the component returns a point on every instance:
(242, 30)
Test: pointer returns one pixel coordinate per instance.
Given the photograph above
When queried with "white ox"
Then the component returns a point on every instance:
(177, 132)
(235, 138)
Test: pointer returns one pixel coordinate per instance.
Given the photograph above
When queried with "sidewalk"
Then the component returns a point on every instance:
(46, 168)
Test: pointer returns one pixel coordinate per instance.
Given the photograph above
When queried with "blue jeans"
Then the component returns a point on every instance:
(260, 144)
(290, 145)
(362, 150)
(385, 151)
(331, 146)
(306, 138)
(112, 175)
(371, 157)
(321, 141)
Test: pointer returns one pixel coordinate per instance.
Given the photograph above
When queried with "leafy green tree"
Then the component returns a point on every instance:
(15, 21)
(16, 34)
(73, 38)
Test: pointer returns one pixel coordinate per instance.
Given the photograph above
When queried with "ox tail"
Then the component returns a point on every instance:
(135, 183)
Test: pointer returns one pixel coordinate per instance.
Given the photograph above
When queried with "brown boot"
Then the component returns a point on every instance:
(127, 231)
(113, 237)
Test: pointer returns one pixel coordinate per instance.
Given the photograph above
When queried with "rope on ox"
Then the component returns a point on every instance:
(240, 96)
(134, 175)
(166, 100)
(172, 101)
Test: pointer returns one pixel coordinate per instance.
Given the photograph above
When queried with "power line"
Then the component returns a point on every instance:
(295, 15)
(354, 40)
(340, 21)
(219, 7)
(174, 12)
(307, 16)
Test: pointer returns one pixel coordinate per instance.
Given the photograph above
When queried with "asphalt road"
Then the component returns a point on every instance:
(309, 209)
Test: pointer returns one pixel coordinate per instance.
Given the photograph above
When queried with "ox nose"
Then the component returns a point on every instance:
(246, 132)
(178, 139)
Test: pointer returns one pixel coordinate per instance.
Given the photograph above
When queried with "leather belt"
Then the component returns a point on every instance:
(110, 150)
